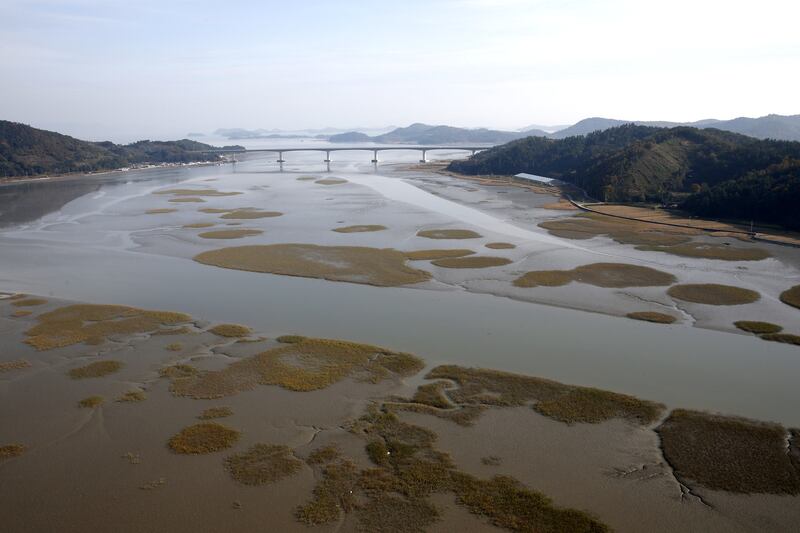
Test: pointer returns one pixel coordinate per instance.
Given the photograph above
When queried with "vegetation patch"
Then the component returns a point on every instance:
(230, 233)
(713, 294)
(8, 451)
(188, 200)
(307, 178)
(160, 211)
(230, 330)
(207, 437)
(565, 403)
(29, 302)
(215, 412)
(91, 402)
(501, 246)
(214, 210)
(196, 192)
(263, 463)
(331, 181)
(433, 394)
(133, 396)
(247, 214)
(608, 275)
(324, 455)
(97, 369)
(786, 338)
(588, 225)
(759, 328)
(17, 364)
(355, 264)
(291, 339)
(791, 296)
(448, 234)
(426, 255)
(198, 225)
(387, 513)
(332, 495)
(306, 365)
(491, 460)
(711, 251)
(652, 316)
(93, 324)
(364, 228)
(481, 261)
(727, 453)
(19, 313)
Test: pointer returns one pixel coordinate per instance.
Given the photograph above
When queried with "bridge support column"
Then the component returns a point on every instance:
(280, 158)
(423, 160)
(375, 156)
(327, 157)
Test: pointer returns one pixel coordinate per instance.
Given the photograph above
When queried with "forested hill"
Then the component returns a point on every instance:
(640, 163)
(27, 151)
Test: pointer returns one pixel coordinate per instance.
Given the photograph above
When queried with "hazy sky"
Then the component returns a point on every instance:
(161, 68)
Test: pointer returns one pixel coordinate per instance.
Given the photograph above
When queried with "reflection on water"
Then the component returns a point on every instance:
(678, 365)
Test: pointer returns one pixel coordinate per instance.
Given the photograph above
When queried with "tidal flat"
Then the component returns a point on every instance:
(343, 377)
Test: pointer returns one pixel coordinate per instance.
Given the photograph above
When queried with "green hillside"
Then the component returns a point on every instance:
(27, 151)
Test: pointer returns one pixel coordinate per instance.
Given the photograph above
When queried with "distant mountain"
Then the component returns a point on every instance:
(27, 151)
(350, 137)
(631, 163)
(779, 127)
(536, 129)
(322, 133)
(426, 134)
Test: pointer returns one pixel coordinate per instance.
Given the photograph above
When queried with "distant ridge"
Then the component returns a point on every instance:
(419, 133)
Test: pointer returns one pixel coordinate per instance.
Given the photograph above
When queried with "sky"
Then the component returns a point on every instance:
(122, 70)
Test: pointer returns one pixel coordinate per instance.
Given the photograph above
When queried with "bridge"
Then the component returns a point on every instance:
(328, 150)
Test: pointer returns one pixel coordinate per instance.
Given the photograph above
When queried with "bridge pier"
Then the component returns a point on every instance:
(375, 156)
(423, 160)
(280, 158)
(327, 157)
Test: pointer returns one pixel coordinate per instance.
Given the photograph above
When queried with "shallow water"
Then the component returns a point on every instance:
(99, 247)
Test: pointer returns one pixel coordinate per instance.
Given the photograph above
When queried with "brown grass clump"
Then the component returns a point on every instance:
(133, 396)
(263, 463)
(393, 514)
(230, 330)
(93, 324)
(178, 371)
(159, 211)
(713, 294)
(307, 178)
(290, 339)
(331, 181)
(199, 225)
(216, 412)
(207, 437)
(433, 394)
(448, 234)
(324, 455)
(426, 255)
(197, 192)
(307, 365)
(791, 296)
(711, 251)
(588, 225)
(472, 262)
(463, 415)
(731, 454)
(248, 214)
(652, 316)
(501, 246)
(332, 495)
(354, 264)
(230, 233)
(29, 302)
(187, 200)
(759, 328)
(97, 369)
(786, 338)
(91, 402)
(360, 229)
(508, 504)
(214, 210)
(607, 275)
(174, 347)
(19, 313)
(17, 364)
(565, 403)
(590, 405)
(8, 451)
